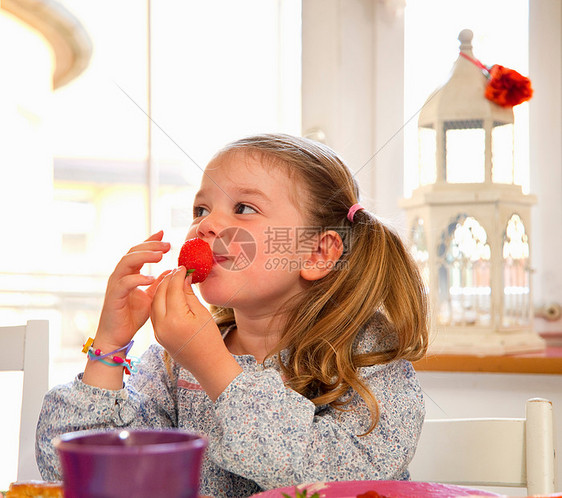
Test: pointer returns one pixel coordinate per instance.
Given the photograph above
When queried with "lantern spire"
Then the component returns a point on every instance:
(465, 37)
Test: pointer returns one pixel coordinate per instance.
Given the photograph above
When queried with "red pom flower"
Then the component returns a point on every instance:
(507, 87)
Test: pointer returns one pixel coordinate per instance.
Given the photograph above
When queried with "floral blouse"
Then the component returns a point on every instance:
(261, 433)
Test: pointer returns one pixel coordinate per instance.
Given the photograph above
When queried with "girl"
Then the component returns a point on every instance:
(301, 372)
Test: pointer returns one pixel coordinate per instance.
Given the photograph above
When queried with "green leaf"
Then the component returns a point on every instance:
(301, 494)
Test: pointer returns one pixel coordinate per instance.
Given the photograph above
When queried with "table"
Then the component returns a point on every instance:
(385, 489)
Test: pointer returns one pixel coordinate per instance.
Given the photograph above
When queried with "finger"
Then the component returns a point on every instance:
(159, 299)
(133, 262)
(125, 285)
(190, 298)
(176, 295)
(156, 236)
(152, 289)
(154, 245)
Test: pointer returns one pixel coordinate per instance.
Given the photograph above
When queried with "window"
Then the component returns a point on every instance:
(219, 70)
(464, 274)
(516, 274)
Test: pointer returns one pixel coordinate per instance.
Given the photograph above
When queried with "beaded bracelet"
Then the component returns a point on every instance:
(128, 364)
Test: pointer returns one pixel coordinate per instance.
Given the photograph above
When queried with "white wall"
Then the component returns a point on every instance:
(352, 90)
(545, 111)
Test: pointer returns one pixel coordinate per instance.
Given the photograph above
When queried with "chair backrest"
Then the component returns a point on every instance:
(26, 348)
(506, 452)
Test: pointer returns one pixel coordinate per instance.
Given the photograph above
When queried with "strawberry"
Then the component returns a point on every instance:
(197, 257)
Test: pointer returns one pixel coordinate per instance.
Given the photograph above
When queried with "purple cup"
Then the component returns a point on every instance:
(131, 463)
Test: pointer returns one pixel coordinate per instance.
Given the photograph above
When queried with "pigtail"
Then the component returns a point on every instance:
(394, 283)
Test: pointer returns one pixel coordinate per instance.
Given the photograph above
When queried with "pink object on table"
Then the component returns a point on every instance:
(387, 489)
(139, 463)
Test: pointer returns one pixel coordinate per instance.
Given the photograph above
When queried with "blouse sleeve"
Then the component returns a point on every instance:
(276, 437)
(148, 399)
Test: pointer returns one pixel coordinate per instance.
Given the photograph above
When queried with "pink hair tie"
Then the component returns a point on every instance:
(352, 210)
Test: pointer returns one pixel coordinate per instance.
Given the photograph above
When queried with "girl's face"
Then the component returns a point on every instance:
(245, 209)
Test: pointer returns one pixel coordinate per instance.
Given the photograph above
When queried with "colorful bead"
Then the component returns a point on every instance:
(87, 344)
(131, 365)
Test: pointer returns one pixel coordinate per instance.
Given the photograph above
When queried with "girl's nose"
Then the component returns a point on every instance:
(209, 226)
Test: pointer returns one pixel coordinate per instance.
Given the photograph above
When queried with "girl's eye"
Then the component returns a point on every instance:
(199, 211)
(244, 209)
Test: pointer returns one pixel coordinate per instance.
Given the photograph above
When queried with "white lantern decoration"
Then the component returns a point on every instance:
(470, 223)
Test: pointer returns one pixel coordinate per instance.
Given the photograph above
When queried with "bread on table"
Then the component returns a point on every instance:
(35, 489)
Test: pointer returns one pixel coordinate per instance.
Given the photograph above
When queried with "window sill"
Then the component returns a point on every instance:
(547, 362)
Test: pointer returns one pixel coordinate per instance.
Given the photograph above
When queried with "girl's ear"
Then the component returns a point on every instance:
(323, 256)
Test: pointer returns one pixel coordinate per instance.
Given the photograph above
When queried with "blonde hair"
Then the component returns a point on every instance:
(375, 274)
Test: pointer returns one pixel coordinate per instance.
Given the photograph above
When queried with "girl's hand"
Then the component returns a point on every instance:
(127, 307)
(186, 329)
(178, 317)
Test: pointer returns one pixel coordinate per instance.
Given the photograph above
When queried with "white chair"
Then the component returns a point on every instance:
(26, 348)
(510, 452)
